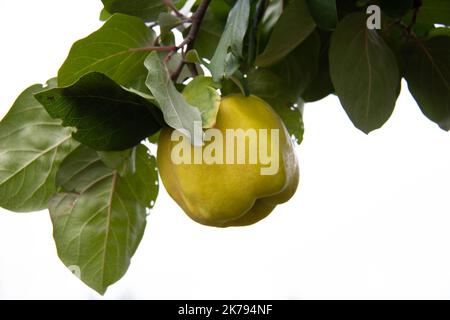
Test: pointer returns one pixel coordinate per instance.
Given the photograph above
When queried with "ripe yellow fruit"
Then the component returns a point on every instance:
(224, 195)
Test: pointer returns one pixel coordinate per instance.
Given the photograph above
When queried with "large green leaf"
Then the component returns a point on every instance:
(427, 71)
(324, 13)
(434, 11)
(145, 9)
(364, 73)
(177, 112)
(99, 217)
(110, 50)
(32, 146)
(292, 28)
(202, 93)
(230, 44)
(106, 115)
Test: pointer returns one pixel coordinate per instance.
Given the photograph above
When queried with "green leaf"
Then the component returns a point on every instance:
(320, 85)
(266, 84)
(427, 71)
(439, 32)
(271, 15)
(293, 27)
(110, 50)
(106, 115)
(177, 112)
(154, 138)
(396, 9)
(434, 12)
(364, 73)
(99, 217)
(104, 15)
(209, 34)
(290, 77)
(324, 13)
(148, 10)
(122, 161)
(272, 87)
(300, 66)
(32, 146)
(192, 56)
(232, 39)
(167, 22)
(292, 116)
(202, 93)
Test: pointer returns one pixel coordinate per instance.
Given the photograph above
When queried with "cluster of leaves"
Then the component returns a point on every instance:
(77, 145)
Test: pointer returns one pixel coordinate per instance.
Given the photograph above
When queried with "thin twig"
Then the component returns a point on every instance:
(172, 7)
(417, 5)
(189, 41)
(155, 48)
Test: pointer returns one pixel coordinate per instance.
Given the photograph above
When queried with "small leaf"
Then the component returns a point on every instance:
(99, 217)
(324, 13)
(364, 73)
(154, 138)
(148, 10)
(201, 93)
(106, 115)
(104, 15)
(167, 22)
(292, 116)
(232, 39)
(192, 56)
(110, 51)
(434, 12)
(427, 71)
(32, 146)
(177, 112)
(293, 27)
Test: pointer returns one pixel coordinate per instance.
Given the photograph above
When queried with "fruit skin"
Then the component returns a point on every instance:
(224, 195)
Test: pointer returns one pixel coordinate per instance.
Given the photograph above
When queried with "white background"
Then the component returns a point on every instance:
(371, 218)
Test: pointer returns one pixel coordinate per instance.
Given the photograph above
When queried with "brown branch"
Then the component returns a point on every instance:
(417, 5)
(188, 42)
(155, 48)
(172, 7)
(196, 19)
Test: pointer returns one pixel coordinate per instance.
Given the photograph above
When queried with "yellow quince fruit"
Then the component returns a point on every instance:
(245, 168)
